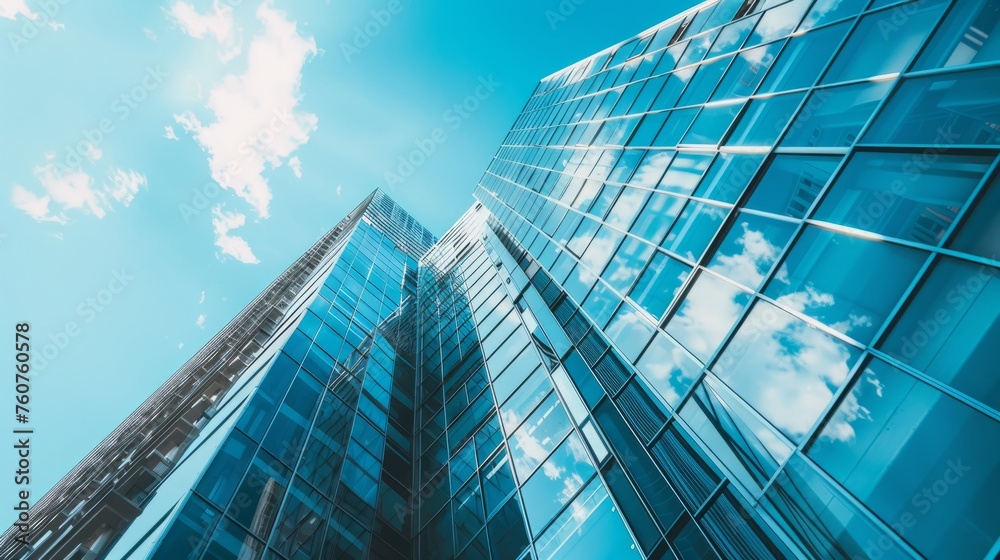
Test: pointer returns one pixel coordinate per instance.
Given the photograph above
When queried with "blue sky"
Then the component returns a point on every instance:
(162, 162)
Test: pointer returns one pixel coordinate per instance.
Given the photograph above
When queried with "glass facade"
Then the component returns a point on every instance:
(729, 290)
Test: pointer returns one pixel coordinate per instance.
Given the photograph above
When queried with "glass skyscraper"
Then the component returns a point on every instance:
(729, 290)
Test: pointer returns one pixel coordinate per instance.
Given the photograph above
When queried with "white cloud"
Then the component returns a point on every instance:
(124, 185)
(151, 35)
(217, 23)
(56, 26)
(179, 346)
(169, 133)
(296, 166)
(338, 190)
(200, 321)
(11, 8)
(231, 245)
(35, 206)
(201, 300)
(75, 190)
(255, 117)
(93, 152)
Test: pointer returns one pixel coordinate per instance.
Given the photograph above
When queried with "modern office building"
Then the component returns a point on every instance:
(729, 290)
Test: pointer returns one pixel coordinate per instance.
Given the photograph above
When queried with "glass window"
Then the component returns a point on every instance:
(731, 37)
(822, 520)
(629, 260)
(969, 35)
(848, 283)
(630, 331)
(685, 172)
(689, 541)
(951, 329)
(784, 368)
(825, 11)
(668, 369)
(954, 108)
(677, 124)
(707, 313)
(659, 284)
(694, 229)
(833, 117)
(728, 176)
(918, 459)
(589, 528)
(543, 430)
(779, 22)
(746, 72)
(649, 171)
(741, 441)
(791, 183)
(468, 512)
(551, 487)
(895, 39)
(515, 410)
(752, 245)
(632, 508)
(803, 58)
(980, 231)
(712, 123)
(262, 490)
(704, 82)
(907, 196)
(196, 520)
(764, 120)
(506, 530)
(497, 481)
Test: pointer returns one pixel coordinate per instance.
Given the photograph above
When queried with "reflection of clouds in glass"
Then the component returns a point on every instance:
(532, 450)
(749, 266)
(668, 369)
(784, 368)
(840, 427)
(626, 207)
(651, 169)
(809, 300)
(708, 312)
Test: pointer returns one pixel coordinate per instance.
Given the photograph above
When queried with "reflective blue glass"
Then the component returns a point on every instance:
(903, 195)
(784, 368)
(791, 183)
(819, 277)
(562, 475)
(951, 329)
(889, 422)
(833, 117)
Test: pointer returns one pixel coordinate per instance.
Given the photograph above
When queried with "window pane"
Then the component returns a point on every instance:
(980, 232)
(708, 312)
(589, 528)
(557, 482)
(659, 284)
(822, 520)
(764, 120)
(903, 195)
(543, 430)
(957, 108)
(895, 39)
(848, 283)
(803, 58)
(741, 441)
(728, 176)
(969, 35)
(751, 247)
(918, 459)
(791, 184)
(951, 329)
(833, 117)
(685, 172)
(784, 368)
(668, 369)
(825, 11)
(779, 22)
(712, 123)
(694, 229)
(630, 330)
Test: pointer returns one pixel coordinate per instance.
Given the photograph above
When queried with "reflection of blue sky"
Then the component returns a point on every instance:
(709, 310)
(750, 248)
(784, 368)
(531, 444)
(819, 278)
(668, 369)
(557, 482)
(589, 528)
(685, 172)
